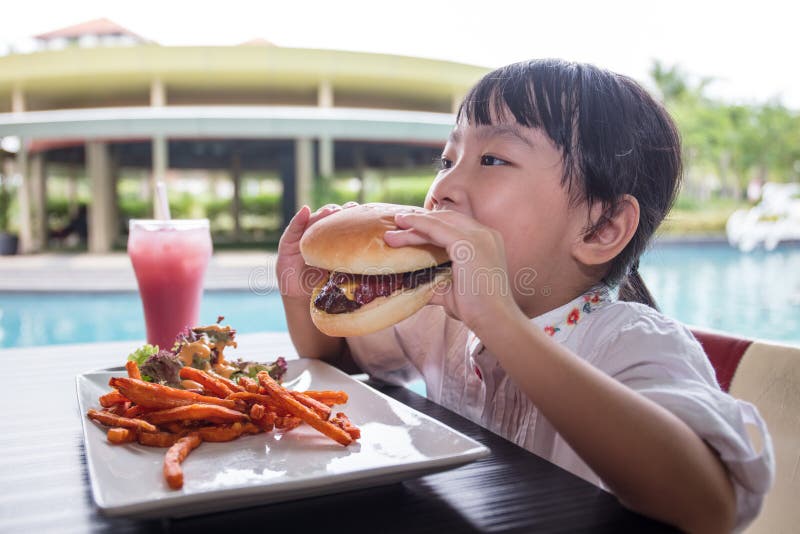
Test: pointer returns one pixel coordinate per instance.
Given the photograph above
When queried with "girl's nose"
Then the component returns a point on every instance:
(446, 191)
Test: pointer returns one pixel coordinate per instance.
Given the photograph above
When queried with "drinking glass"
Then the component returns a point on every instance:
(169, 258)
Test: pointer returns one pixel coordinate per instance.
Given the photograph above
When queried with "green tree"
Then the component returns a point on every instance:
(736, 142)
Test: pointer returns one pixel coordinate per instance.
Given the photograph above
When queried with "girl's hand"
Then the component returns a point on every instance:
(480, 288)
(295, 278)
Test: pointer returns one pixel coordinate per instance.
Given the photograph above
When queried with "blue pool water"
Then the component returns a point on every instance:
(754, 294)
(28, 319)
(712, 285)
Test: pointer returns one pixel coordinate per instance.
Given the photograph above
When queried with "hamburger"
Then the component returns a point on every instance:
(370, 285)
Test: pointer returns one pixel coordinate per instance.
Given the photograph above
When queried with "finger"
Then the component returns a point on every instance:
(299, 220)
(404, 238)
(322, 213)
(350, 204)
(437, 231)
(294, 230)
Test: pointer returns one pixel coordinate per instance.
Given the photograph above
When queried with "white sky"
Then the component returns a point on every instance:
(750, 48)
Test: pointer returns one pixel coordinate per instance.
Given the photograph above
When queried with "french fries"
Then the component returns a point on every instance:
(158, 396)
(155, 415)
(227, 433)
(159, 439)
(110, 419)
(133, 370)
(196, 412)
(214, 386)
(322, 410)
(343, 422)
(120, 435)
(297, 409)
(329, 398)
(173, 473)
(111, 398)
(248, 384)
(228, 382)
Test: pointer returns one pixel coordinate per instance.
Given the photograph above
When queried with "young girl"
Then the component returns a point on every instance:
(551, 183)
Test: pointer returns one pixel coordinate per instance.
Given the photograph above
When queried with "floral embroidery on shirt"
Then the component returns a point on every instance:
(573, 316)
(592, 300)
(587, 303)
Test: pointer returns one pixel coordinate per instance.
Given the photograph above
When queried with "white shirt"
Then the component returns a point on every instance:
(633, 343)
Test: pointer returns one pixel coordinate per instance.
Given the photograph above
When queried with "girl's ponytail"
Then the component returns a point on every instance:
(633, 288)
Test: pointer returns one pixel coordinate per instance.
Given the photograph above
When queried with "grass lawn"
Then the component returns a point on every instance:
(693, 217)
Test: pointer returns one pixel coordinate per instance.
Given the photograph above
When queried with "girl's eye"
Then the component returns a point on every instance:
(445, 163)
(491, 161)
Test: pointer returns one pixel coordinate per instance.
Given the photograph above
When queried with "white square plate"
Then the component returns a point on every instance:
(396, 443)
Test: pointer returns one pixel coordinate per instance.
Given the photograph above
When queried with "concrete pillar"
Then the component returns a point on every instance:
(160, 164)
(26, 242)
(158, 93)
(158, 98)
(38, 190)
(17, 99)
(236, 201)
(146, 189)
(325, 161)
(325, 94)
(102, 226)
(304, 170)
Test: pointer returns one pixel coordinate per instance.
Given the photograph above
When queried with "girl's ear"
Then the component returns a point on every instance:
(611, 237)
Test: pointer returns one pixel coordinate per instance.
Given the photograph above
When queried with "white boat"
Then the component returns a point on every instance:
(774, 219)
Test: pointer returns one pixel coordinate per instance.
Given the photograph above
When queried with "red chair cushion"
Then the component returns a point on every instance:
(724, 352)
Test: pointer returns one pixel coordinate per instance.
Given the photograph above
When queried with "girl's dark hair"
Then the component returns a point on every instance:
(614, 137)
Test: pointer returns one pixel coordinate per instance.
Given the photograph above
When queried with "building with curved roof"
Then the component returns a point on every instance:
(97, 95)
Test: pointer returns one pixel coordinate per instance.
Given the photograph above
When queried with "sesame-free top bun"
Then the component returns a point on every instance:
(351, 241)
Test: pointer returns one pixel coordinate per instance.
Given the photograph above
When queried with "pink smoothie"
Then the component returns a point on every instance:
(170, 259)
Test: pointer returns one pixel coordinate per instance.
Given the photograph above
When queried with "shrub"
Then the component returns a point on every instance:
(216, 207)
(264, 204)
(134, 208)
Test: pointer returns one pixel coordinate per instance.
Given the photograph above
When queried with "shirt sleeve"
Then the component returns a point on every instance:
(660, 359)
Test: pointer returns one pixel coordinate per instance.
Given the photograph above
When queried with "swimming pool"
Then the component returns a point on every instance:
(754, 294)
(29, 319)
(708, 285)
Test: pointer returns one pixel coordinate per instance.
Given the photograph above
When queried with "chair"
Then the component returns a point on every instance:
(768, 376)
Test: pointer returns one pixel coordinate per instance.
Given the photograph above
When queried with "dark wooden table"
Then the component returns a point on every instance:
(44, 485)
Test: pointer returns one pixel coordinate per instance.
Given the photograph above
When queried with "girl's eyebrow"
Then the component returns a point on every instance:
(493, 130)
(504, 130)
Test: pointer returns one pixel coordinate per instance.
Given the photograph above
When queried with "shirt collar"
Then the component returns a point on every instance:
(560, 322)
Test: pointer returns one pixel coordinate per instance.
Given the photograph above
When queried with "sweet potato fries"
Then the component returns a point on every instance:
(155, 415)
